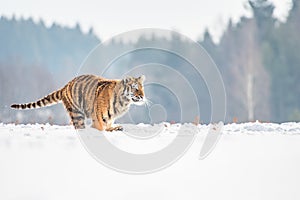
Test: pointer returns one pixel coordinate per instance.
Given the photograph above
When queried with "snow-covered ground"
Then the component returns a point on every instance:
(250, 161)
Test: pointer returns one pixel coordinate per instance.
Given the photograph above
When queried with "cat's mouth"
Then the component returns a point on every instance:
(138, 100)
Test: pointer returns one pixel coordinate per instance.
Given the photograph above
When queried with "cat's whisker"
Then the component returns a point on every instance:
(147, 102)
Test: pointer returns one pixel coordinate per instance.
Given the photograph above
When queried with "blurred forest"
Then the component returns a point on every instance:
(258, 59)
(260, 63)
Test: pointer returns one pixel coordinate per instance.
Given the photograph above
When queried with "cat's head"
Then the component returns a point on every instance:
(134, 89)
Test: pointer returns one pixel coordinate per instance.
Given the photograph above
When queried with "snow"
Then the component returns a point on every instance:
(251, 161)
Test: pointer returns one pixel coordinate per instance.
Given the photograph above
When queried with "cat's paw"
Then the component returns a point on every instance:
(117, 128)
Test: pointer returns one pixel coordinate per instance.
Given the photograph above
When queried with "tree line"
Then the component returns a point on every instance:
(257, 57)
(260, 63)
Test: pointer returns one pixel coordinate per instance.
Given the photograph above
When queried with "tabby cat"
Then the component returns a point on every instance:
(94, 97)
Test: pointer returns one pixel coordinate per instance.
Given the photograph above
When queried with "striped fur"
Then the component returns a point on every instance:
(90, 96)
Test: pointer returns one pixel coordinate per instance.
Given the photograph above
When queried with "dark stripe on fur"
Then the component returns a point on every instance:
(15, 106)
(124, 85)
(109, 115)
(80, 95)
(58, 95)
(101, 86)
(88, 94)
(114, 103)
(71, 95)
(121, 101)
(44, 101)
(77, 118)
(74, 111)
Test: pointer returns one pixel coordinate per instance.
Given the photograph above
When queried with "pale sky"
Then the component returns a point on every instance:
(111, 17)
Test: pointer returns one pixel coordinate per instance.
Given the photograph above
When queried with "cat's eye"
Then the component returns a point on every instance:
(135, 86)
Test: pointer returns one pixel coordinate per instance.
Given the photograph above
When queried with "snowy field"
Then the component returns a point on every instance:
(250, 161)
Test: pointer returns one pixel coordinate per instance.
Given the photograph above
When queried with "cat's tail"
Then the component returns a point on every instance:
(53, 98)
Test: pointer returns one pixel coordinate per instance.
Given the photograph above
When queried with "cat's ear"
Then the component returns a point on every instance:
(142, 78)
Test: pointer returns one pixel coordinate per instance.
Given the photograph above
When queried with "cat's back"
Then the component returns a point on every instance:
(81, 91)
